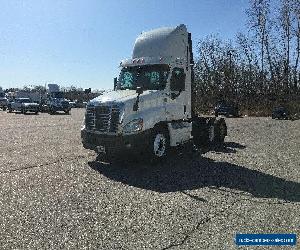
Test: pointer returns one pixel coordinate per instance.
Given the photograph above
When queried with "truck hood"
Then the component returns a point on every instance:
(118, 96)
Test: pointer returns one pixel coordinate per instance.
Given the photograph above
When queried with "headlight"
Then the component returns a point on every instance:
(133, 126)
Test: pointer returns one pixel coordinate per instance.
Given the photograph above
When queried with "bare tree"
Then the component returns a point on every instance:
(285, 21)
(296, 32)
(261, 68)
(258, 15)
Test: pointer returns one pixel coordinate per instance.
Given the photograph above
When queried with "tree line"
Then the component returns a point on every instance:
(258, 69)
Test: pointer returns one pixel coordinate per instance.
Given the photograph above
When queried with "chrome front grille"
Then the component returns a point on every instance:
(102, 118)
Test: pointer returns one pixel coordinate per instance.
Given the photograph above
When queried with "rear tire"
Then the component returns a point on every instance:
(220, 132)
(199, 133)
(209, 133)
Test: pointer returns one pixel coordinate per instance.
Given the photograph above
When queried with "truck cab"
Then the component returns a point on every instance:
(56, 100)
(150, 108)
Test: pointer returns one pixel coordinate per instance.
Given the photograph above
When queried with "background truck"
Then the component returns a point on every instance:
(226, 108)
(151, 108)
(3, 100)
(23, 105)
(55, 100)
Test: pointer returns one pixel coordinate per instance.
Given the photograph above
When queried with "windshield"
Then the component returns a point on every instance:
(149, 77)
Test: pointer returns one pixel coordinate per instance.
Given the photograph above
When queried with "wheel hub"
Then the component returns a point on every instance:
(159, 145)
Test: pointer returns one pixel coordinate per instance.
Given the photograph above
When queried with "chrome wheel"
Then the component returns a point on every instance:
(159, 145)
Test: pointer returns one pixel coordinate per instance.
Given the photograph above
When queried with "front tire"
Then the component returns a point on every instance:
(51, 111)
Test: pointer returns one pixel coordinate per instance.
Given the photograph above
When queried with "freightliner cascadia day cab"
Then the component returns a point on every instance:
(151, 107)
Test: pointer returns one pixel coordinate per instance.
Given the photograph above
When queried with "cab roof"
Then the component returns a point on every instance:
(162, 42)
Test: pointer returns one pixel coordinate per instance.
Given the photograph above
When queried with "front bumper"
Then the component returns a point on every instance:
(116, 144)
(31, 108)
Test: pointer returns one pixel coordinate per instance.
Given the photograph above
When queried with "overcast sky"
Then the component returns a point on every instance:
(82, 42)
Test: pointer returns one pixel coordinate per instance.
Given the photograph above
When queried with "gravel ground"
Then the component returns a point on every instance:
(55, 195)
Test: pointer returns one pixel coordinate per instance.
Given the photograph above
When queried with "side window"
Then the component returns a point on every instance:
(178, 80)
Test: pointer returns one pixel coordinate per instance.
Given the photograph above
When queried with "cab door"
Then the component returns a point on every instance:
(176, 101)
(19, 105)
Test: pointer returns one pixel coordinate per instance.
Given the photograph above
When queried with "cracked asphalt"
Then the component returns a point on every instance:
(55, 195)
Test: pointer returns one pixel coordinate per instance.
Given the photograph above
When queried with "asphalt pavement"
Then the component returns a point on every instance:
(55, 195)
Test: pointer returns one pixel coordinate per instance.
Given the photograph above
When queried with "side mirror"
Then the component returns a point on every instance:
(139, 90)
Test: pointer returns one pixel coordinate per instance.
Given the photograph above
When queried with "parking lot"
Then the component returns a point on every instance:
(54, 194)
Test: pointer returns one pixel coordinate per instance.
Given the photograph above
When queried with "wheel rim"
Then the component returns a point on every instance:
(159, 145)
(211, 133)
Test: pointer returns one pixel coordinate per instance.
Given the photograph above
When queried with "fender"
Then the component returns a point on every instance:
(151, 117)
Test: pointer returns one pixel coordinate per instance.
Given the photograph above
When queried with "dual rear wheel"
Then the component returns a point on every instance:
(211, 133)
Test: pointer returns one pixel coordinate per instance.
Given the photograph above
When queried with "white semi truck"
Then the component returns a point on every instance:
(151, 108)
(56, 101)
